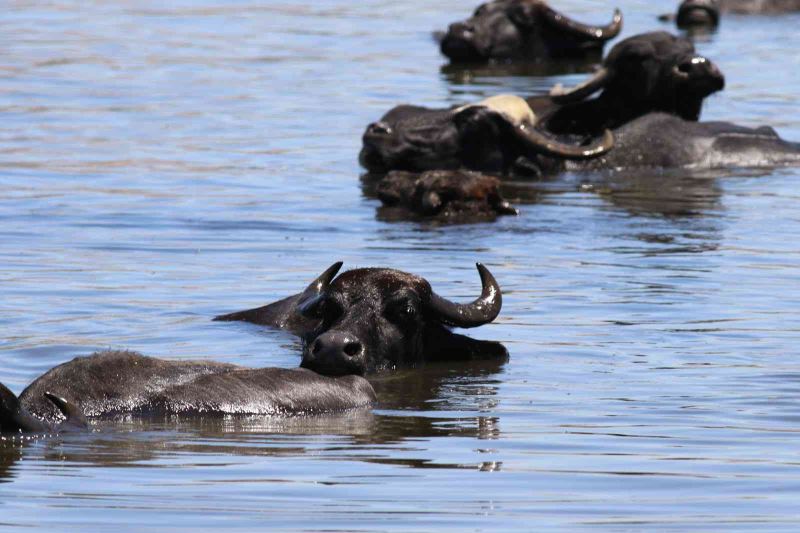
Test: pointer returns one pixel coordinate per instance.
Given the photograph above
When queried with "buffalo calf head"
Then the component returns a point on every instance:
(693, 13)
(445, 195)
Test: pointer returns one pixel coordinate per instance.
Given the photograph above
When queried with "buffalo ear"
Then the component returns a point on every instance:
(286, 314)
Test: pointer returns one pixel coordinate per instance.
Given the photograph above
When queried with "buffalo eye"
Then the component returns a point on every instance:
(402, 309)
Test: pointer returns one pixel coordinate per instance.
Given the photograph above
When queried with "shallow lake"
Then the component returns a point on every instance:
(161, 165)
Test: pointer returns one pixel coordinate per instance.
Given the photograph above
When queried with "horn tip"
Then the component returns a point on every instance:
(608, 139)
(486, 276)
(334, 268)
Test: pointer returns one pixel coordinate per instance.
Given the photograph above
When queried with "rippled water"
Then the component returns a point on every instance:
(160, 165)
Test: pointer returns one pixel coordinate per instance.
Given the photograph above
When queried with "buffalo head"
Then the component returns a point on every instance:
(649, 72)
(523, 29)
(692, 13)
(370, 319)
(445, 195)
(490, 136)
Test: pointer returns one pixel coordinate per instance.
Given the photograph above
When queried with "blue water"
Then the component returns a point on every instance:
(161, 165)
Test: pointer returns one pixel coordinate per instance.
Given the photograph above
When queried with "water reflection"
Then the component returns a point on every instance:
(460, 73)
(462, 386)
(10, 454)
(660, 192)
(668, 193)
(700, 34)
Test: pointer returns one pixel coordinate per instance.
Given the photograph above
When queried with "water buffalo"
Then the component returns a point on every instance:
(524, 29)
(651, 72)
(653, 88)
(445, 195)
(372, 319)
(121, 382)
(496, 135)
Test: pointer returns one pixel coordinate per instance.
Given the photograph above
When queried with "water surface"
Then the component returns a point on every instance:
(161, 165)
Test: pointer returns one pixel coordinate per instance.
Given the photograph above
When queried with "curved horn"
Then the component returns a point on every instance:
(480, 312)
(560, 95)
(596, 33)
(321, 283)
(316, 288)
(540, 143)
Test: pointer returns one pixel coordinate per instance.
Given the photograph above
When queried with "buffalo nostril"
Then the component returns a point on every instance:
(352, 348)
(316, 347)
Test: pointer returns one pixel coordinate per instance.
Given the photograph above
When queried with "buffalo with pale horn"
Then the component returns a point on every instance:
(498, 135)
(372, 319)
(524, 29)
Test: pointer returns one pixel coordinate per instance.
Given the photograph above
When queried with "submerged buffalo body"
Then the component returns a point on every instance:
(370, 319)
(121, 382)
(446, 195)
(659, 140)
(497, 135)
(524, 29)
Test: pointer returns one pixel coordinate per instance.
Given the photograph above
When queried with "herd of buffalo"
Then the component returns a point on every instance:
(640, 108)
